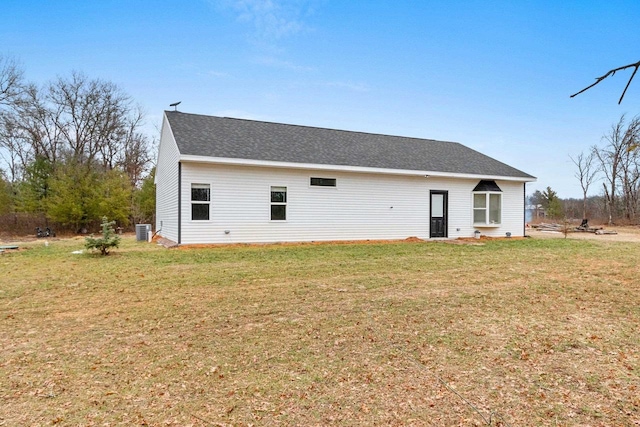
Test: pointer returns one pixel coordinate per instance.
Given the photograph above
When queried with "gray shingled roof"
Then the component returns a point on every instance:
(248, 139)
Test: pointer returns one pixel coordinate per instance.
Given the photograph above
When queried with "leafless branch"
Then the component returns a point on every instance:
(586, 174)
(11, 80)
(635, 66)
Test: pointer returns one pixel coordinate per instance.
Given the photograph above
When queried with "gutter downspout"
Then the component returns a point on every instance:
(179, 202)
(524, 208)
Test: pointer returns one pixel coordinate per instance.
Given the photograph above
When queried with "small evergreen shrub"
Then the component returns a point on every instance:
(108, 240)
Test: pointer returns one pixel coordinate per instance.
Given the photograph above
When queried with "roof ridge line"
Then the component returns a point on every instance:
(317, 127)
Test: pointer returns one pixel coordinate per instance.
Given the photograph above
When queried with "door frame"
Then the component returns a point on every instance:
(445, 213)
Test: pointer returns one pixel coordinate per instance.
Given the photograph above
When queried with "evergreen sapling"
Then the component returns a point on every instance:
(108, 240)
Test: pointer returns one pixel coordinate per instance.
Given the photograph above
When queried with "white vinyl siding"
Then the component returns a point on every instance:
(364, 206)
(461, 208)
(167, 185)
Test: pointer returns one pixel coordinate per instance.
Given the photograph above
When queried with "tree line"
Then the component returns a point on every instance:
(612, 168)
(72, 151)
(547, 206)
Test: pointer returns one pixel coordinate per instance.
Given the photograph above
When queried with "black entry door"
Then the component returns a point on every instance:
(438, 213)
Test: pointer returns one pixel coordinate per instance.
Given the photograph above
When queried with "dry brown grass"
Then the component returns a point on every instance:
(529, 332)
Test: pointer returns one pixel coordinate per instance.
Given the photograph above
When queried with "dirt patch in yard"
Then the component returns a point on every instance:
(311, 243)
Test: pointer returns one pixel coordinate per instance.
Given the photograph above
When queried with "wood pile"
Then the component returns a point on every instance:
(600, 232)
(585, 228)
(548, 227)
(560, 228)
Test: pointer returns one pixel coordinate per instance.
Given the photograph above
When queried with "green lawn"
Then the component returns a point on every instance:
(527, 332)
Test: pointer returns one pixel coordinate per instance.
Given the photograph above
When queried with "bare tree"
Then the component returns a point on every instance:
(586, 174)
(32, 122)
(609, 159)
(11, 88)
(612, 72)
(135, 158)
(629, 170)
(13, 149)
(618, 161)
(131, 151)
(94, 117)
(11, 80)
(89, 122)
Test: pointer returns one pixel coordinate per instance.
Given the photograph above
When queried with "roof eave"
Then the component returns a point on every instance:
(345, 168)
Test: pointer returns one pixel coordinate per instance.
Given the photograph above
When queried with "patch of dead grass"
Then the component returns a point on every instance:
(537, 332)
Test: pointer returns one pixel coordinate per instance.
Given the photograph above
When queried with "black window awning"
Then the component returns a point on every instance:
(486, 185)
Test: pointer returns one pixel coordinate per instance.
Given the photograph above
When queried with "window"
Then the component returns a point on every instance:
(278, 203)
(487, 204)
(323, 182)
(487, 208)
(200, 201)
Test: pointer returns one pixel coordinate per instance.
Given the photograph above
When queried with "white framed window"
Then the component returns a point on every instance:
(487, 208)
(278, 203)
(487, 204)
(200, 202)
(322, 182)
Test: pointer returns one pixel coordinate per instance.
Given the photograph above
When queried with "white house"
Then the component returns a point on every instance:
(226, 180)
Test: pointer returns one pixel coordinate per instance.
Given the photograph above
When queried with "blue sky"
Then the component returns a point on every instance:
(495, 76)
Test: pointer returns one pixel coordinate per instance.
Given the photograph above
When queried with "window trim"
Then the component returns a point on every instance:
(272, 203)
(200, 202)
(487, 209)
